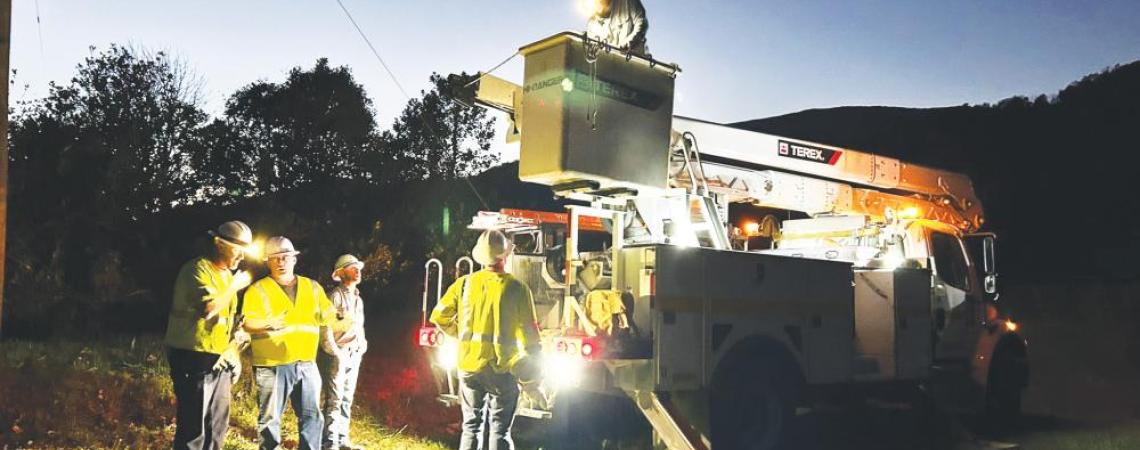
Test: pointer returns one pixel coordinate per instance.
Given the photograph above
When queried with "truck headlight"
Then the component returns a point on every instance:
(563, 371)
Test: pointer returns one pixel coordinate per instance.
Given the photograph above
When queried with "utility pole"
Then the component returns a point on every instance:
(5, 46)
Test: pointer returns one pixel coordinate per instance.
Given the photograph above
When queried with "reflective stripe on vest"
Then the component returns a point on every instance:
(288, 328)
(468, 336)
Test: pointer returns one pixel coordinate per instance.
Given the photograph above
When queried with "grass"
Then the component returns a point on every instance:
(1120, 436)
(116, 394)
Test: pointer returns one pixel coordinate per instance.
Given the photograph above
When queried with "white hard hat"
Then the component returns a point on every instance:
(234, 232)
(345, 261)
(492, 246)
(279, 246)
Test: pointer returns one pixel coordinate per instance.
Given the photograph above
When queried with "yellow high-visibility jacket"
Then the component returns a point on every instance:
(492, 316)
(298, 340)
(198, 282)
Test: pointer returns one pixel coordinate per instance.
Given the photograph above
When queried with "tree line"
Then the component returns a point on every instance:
(110, 167)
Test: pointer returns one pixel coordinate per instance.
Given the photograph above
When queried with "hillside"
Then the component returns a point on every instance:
(1052, 171)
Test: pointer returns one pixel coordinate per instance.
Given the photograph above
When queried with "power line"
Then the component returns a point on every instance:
(399, 86)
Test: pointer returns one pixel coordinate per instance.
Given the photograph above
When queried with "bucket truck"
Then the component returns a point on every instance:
(722, 328)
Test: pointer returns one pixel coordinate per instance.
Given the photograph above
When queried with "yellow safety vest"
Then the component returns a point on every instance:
(601, 306)
(199, 281)
(298, 340)
(492, 315)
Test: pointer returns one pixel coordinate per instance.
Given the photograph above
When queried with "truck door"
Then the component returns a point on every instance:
(956, 301)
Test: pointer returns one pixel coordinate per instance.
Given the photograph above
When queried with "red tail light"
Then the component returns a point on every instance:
(578, 347)
(430, 337)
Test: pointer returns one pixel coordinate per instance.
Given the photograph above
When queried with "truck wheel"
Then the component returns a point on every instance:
(1003, 392)
(752, 410)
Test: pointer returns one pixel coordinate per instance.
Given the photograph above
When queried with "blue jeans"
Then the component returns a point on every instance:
(298, 383)
(339, 377)
(498, 394)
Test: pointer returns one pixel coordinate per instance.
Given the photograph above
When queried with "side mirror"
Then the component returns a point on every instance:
(989, 264)
(982, 248)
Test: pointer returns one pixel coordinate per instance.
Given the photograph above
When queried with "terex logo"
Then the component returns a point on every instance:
(808, 153)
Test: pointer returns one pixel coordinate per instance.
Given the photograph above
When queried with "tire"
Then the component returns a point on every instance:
(1002, 413)
(752, 409)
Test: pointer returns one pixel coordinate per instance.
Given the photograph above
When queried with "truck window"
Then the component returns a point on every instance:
(949, 260)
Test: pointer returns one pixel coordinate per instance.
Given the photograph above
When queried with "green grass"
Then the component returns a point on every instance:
(116, 394)
(1124, 436)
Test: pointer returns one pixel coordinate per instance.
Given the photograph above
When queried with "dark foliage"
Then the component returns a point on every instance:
(117, 176)
(1053, 173)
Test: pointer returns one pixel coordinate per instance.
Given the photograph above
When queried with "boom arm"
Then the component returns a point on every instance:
(815, 178)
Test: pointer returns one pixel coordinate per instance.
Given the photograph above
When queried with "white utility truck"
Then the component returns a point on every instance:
(838, 270)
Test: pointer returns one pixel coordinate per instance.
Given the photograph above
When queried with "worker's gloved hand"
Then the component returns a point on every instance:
(275, 323)
(241, 337)
(533, 391)
(241, 280)
(230, 360)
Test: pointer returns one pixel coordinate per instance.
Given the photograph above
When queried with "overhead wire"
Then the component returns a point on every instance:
(396, 81)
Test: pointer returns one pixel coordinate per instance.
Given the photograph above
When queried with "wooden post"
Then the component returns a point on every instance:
(5, 46)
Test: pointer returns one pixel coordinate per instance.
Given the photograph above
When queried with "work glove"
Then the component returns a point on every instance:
(241, 338)
(532, 390)
(230, 360)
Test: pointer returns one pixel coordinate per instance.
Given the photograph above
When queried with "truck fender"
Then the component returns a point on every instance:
(756, 350)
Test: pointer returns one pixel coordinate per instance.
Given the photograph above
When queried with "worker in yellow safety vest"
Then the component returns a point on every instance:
(491, 313)
(285, 315)
(203, 341)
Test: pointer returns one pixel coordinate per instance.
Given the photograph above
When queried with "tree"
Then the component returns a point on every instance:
(436, 136)
(315, 125)
(127, 117)
(97, 153)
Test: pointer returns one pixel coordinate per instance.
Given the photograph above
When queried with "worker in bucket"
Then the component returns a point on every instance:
(343, 349)
(203, 339)
(620, 23)
(491, 313)
(285, 314)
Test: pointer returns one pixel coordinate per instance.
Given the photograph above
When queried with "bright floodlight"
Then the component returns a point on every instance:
(563, 371)
(587, 7)
(448, 355)
(253, 250)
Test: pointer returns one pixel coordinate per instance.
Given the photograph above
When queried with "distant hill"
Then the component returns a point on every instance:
(1055, 173)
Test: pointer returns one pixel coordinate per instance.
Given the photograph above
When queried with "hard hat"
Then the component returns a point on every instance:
(279, 246)
(345, 261)
(492, 246)
(234, 232)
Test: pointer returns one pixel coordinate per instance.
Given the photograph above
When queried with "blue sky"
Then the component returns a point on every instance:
(741, 59)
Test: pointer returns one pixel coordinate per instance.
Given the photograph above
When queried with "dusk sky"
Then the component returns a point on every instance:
(740, 59)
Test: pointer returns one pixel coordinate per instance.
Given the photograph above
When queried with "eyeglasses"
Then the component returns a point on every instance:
(282, 258)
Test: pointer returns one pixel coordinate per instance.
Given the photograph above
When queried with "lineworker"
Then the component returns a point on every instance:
(491, 313)
(202, 340)
(286, 314)
(620, 23)
(343, 350)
